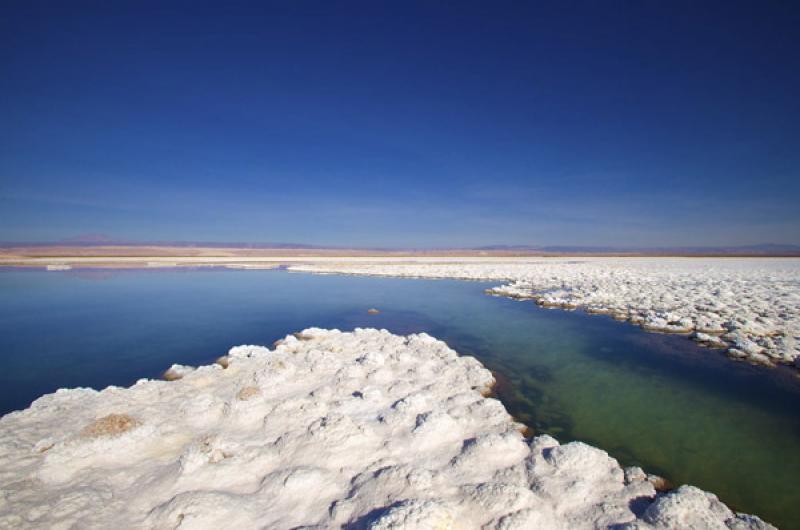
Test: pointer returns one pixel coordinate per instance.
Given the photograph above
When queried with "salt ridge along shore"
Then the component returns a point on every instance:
(749, 307)
(327, 430)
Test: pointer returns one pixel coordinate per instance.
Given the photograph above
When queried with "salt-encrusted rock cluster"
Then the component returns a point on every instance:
(327, 430)
(748, 307)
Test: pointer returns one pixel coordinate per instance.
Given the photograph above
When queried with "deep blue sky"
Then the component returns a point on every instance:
(400, 123)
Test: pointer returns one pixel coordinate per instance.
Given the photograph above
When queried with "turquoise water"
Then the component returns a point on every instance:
(653, 400)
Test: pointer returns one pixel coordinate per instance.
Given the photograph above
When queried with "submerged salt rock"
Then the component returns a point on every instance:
(223, 361)
(659, 482)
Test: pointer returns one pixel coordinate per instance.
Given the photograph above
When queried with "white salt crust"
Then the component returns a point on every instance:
(327, 430)
(748, 307)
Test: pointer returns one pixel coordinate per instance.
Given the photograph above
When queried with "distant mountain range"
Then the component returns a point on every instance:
(102, 240)
(766, 249)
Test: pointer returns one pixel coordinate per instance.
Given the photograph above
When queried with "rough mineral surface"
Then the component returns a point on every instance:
(328, 430)
(750, 306)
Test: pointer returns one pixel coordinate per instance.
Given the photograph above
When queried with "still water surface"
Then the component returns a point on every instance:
(652, 400)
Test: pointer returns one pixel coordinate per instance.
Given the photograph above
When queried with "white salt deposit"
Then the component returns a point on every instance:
(327, 430)
(177, 371)
(751, 305)
(252, 266)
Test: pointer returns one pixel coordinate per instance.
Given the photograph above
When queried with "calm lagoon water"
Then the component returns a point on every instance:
(653, 400)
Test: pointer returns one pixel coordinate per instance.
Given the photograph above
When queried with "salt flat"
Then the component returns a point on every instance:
(327, 430)
(748, 306)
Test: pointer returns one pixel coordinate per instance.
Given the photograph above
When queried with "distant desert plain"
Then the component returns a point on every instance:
(64, 256)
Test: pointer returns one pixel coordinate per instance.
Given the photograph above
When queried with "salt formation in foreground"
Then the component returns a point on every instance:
(364, 430)
(748, 307)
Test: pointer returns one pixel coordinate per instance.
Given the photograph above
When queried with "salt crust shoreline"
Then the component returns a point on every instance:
(327, 430)
(750, 308)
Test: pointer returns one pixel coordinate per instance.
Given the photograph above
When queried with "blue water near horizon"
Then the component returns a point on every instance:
(653, 400)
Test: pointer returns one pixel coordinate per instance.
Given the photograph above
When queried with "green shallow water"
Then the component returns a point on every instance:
(657, 401)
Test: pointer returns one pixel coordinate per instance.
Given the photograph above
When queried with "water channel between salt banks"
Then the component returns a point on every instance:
(653, 400)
